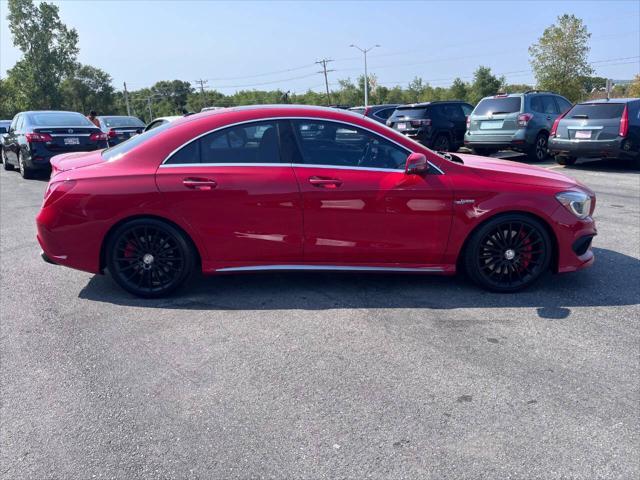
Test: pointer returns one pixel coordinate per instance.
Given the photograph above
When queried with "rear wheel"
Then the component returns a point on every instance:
(25, 171)
(442, 143)
(508, 253)
(561, 160)
(149, 258)
(540, 150)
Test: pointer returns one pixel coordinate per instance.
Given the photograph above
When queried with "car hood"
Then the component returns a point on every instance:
(514, 172)
(71, 161)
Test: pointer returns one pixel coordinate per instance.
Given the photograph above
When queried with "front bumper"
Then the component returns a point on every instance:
(574, 238)
(615, 148)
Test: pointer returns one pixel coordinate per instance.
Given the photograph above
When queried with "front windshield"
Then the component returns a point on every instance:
(128, 145)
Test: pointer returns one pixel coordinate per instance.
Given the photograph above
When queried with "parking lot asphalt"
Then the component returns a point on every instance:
(283, 375)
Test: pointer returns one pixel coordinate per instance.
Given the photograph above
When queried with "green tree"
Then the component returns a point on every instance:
(559, 58)
(88, 88)
(634, 88)
(49, 51)
(484, 84)
(517, 88)
(459, 90)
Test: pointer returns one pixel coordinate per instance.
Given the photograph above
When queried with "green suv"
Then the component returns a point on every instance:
(517, 121)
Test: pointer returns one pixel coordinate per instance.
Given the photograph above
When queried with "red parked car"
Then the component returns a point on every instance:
(306, 188)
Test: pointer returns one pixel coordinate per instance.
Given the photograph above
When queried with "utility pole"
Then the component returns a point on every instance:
(150, 111)
(202, 84)
(126, 99)
(366, 75)
(324, 62)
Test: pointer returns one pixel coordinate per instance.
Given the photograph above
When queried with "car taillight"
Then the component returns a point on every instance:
(112, 133)
(554, 128)
(468, 122)
(523, 119)
(56, 190)
(97, 136)
(624, 122)
(38, 137)
(425, 122)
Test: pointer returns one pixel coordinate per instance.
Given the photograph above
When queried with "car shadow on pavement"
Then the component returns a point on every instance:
(614, 279)
(606, 165)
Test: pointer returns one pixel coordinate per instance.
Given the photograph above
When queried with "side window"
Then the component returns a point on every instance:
(248, 143)
(563, 105)
(548, 105)
(344, 145)
(453, 112)
(536, 104)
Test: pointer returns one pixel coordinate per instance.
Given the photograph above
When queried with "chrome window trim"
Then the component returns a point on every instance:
(165, 165)
(258, 268)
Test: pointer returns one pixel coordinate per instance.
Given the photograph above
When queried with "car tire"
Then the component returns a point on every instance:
(149, 258)
(508, 253)
(562, 160)
(25, 171)
(539, 151)
(5, 163)
(484, 152)
(442, 143)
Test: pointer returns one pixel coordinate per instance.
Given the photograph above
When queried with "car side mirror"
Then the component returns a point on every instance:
(416, 164)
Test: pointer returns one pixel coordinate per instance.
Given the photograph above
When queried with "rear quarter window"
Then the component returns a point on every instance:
(490, 106)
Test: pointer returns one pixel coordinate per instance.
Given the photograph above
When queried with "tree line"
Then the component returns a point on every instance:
(48, 76)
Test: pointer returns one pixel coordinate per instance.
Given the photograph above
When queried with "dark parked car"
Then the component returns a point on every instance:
(120, 128)
(437, 125)
(517, 121)
(35, 137)
(598, 128)
(4, 128)
(379, 113)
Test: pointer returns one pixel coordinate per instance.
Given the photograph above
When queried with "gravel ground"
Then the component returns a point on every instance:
(323, 375)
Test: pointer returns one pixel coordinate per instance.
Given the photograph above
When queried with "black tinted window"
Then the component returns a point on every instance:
(597, 111)
(410, 113)
(3, 129)
(498, 105)
(451, 111)
(190, 153)
(59, 119)
(330, 143)
(563, 104)
(128, 145)
(122, 122)
(384, 113)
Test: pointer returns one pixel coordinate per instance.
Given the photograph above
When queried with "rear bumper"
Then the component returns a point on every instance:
(40, 158)
(616, 148)
(515, 140)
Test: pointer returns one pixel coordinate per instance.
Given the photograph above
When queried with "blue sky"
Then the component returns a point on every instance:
(268, 45)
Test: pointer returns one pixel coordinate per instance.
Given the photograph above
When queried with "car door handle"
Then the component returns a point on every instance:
(548, 117)
(325, 182)
(197, 183)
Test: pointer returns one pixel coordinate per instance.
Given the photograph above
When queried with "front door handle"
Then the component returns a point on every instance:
(325, 182)
(198, 183)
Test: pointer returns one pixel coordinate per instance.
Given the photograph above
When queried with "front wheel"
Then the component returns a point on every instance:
(508, 253)
(149, 258)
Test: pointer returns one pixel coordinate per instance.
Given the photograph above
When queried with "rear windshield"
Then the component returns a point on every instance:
(59, 119)
(122, 122)
(128, 145)
(409, 113)
(490, 106)
(597, 111)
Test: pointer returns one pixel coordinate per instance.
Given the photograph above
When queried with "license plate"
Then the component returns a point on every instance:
(494, 125)
(401, 126)
(72, 141)
(583, 134)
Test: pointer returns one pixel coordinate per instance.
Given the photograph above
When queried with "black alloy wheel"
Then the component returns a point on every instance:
(149, 258)
(508, 253)
(442, 143)
(540, 150)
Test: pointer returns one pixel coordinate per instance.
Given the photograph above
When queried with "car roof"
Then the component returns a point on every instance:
(611, 100)
(170, 118)
(51, 111)
(117, 116)
(281, 109)
(426, 104)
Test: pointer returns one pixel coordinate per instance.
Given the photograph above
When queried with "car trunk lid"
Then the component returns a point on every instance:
(69, 139)
(74, 160)
(498, 114)
(589, 122)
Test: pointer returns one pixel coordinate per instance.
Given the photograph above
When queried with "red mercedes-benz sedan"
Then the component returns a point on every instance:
(306, 188)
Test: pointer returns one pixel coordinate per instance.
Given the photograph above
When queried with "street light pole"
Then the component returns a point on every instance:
(366, 75)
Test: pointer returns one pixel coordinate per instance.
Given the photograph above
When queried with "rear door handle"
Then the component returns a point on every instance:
(325, 182)
(199, 183)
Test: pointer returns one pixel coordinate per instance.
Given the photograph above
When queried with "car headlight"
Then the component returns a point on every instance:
(578, 203)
